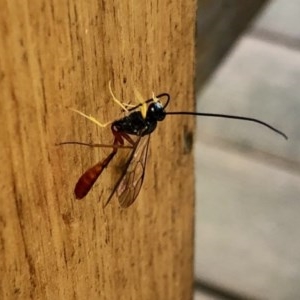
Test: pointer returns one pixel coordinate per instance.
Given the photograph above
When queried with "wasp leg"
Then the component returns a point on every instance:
(115, 99)
(94, 145)
(128, 105)
(141, 101)
(155, 99)
(91, 118)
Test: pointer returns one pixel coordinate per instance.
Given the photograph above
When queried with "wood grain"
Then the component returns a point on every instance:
(59, 54)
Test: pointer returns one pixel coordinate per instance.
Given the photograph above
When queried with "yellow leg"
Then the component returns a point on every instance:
(139, 97)
(124, 106)
(128, 105)
(155, 99)
(90, 118)
(115, 99)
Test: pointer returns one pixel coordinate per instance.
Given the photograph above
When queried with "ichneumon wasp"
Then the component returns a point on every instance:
(140, 121)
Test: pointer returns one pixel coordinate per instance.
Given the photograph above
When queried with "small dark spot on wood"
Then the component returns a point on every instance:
(155, 186)
(2, 243)
(67, 218)
(43, 8)
(5, 29)
(124, 80)
(2, 75)
(13, 95)
(2, 221)
(2, 240)
(25, 57)
(65, 255)
(32, 272)
(94, 224)
(107, 237)
(188, 140)
(60, 85)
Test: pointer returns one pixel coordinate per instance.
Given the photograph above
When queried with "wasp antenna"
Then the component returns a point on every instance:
(229, 117)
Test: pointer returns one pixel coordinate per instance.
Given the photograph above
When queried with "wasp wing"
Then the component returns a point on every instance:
(130, 182)
(133, 178)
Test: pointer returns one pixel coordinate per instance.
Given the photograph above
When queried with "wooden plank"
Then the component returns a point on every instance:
(247, 178)
(280, 21)
(62, 54)
(247, 224)
(246, 229)
(219, 24)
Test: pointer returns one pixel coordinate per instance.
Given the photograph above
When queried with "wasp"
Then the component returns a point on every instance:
(140, 121)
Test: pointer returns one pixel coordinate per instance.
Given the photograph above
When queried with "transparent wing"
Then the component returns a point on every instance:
(133, 177)
(130, 182)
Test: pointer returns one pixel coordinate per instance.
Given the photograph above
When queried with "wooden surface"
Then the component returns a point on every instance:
(219, 25)
(62, 54)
